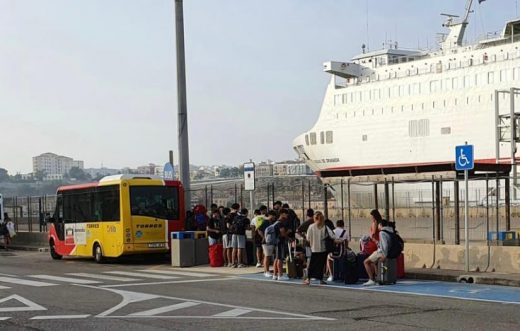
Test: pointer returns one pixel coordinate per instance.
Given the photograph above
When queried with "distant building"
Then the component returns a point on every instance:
(52, 164)
(298, 169)
(97, 172)
(280, 169)
(147, 169)
(264, 170)
(53, 177)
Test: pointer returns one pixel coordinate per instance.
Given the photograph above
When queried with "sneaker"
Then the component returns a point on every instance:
(275, 277)
(259, 265)
(267, 274)
(284, 278)
(330, 279)
(369, 283)
(235, 265)
(241, 266)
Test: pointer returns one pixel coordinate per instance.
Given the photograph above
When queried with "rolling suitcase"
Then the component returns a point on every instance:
(338, 265)
(350, 268)
(400, 266)
(290, 264)
(387, 272)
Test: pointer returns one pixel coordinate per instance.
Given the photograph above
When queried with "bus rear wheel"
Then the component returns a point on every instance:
(98, 254)
(52, 249)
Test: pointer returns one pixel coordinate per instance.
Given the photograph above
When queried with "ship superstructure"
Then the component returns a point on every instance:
(395, 108)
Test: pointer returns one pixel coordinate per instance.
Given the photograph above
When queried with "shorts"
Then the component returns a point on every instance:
(212, 241)
(281, 250)
(374, 257)
(238, 241)
(226, 243)
(268, 250)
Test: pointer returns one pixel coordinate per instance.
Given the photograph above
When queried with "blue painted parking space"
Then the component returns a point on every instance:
(474, 292)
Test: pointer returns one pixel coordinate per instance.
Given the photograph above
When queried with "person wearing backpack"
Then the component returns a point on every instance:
(340, 249)
(238, 239)
(387, 246)
(268, 234)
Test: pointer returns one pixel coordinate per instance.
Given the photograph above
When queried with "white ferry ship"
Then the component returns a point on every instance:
(400, 109)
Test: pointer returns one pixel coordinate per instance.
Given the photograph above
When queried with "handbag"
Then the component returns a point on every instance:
(329, 242)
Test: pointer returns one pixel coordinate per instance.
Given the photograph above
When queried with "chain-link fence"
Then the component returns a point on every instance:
(422, 210)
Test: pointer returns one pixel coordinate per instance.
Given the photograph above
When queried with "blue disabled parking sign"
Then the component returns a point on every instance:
(464, 157)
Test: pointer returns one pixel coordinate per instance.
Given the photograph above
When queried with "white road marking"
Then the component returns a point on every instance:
(26, 282)
(169, 282)
(166, 309)
(233, 313)
(58, 317)
(178, 273)
(104, 277)
(4, 318)
(3, 287)
(66, 279)
(131, 297)
(28, 304)
(141, 275)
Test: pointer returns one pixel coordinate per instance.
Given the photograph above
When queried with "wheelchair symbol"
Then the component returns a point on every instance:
(462, 159)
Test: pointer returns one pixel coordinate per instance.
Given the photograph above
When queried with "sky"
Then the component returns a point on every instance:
(96, 80)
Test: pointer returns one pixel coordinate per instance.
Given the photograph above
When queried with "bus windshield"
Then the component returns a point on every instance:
(155, 201)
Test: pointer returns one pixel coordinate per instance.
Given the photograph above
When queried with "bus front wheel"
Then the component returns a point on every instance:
(52, 249)
(98, 254)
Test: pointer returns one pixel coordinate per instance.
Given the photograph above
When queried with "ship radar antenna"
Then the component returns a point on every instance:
(457, 28)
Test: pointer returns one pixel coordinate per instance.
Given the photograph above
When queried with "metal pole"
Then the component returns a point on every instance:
(206, 195)
(466, 229)
(349, 210)
(303, 199)
(171, 157)
(513, 135)
(393, 200)
(272, 192)
(182, 108)
(241, 196)
(487, 209)
(507, 198)
(433, 209)
(376, 205)
(342, 201)
(497, 127)
(236, 193)
(211, 193)
(268, 196)
(497, 207)
(325, 202)
(309, 189)
(457, 210)
(442, 211)
(252, 200)
(387, 201)
(438, 208)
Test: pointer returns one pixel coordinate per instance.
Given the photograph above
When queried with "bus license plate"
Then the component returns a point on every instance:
(156, 245)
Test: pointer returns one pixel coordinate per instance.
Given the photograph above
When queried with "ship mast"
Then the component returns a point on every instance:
(455, 37)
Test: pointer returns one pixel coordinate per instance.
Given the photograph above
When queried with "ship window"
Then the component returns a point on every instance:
(364, 137)
(503, 75)
(322, 137)
(307, 139)
(448, 84)
(329, 137)
(491, 77)
(446, 130)
(455, 83)
(434, 86)
(467, 82)
(313, 138)
(515, 73)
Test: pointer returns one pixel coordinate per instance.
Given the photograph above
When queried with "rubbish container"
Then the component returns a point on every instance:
(183, 250)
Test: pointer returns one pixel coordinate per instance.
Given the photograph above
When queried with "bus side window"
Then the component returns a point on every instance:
(58, 213)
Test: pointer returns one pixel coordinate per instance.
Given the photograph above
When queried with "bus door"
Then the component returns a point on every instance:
(59, 221)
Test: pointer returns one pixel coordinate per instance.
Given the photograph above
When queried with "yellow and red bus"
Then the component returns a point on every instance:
(119, 215)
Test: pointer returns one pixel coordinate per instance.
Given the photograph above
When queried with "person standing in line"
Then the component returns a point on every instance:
(8, 230)
(302, 231)
(213, 228)
(341, 234)
(256, 224)
(316, 235)
(268, 247)
(226, 237)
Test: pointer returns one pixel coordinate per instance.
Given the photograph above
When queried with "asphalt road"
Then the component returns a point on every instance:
(37, 293)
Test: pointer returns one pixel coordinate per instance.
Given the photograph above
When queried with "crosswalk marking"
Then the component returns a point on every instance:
(166, 309)
(26, 282)
(140, 274)
(61, 317)
(104, 277)
(177, 273)
(3, 287)
(233, 312)
(66, 279)
(4, 318)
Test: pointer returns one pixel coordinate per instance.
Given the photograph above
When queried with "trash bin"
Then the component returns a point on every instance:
(182, 250)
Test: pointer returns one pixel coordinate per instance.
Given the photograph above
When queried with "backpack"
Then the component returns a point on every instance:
(239, 225)
(271, 234)
(339, 248)
(396, 245)
(3, 229)
(200, 222)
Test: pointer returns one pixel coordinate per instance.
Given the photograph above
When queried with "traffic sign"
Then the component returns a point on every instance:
(249, 176)
(169, 171)
(464, 159)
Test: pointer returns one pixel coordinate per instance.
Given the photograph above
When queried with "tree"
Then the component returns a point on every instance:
(78, 174)
(4, 176)
(39, 175)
